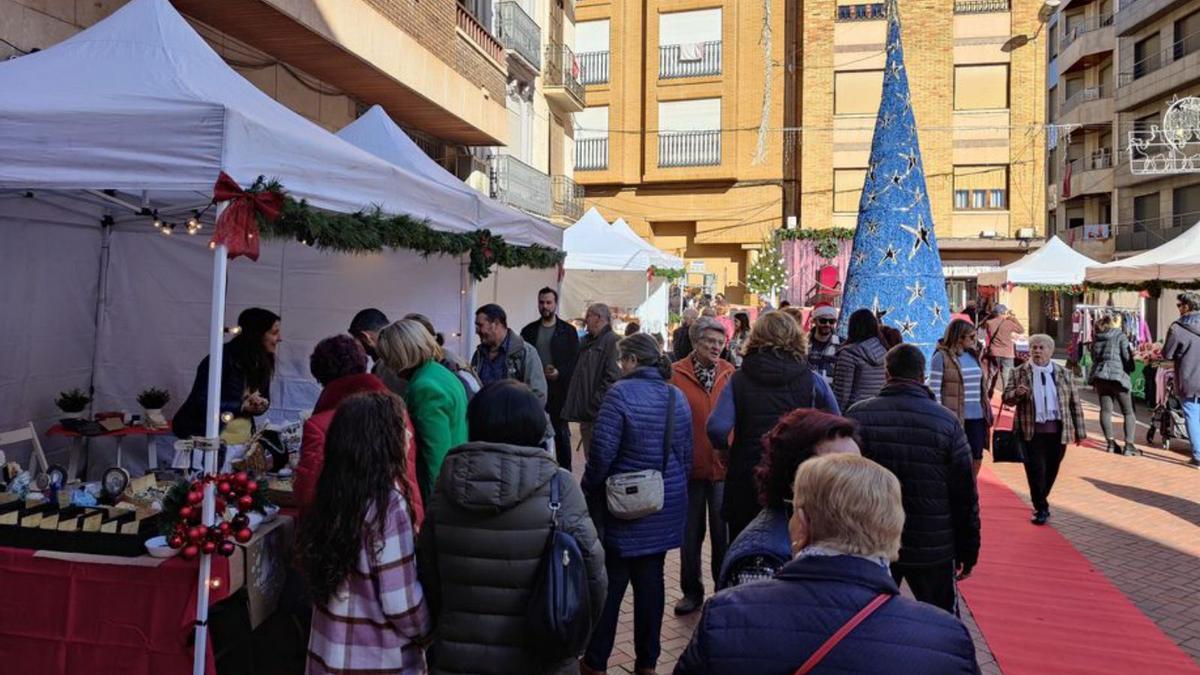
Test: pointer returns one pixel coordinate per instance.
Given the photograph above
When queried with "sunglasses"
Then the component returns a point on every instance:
(826, 322)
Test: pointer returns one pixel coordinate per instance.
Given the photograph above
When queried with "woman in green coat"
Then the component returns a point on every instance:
(436, 400)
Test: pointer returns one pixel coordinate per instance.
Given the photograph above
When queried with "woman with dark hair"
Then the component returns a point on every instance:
(890, 336)
(486, 532)
(956, 379)
(356, 547)
(858, 370)
(339, 364)
(1112, 361)
(632, 434)
(741, 333)
(764, 547)
(247, 366)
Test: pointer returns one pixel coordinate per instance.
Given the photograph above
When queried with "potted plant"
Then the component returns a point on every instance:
(72, 403)
(152, 401)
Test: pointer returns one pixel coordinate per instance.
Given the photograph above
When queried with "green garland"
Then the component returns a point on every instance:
(1069, 289)
(373, 230)
(1154, 286)
(827, 241)
(668, 274)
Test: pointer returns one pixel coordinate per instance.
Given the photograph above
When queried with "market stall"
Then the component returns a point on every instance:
(609, 263)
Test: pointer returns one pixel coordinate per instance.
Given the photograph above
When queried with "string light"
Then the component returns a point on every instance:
(212, 245)
(214, 582)
(234, 330)
(193, 224)
(168, 229)
(158, 223)
(227, 417)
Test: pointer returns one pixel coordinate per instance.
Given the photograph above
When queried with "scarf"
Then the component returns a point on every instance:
(1045, 394)
(818, 551)
(705, 375)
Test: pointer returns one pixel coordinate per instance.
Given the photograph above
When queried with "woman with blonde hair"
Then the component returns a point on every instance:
(436, 400)
(774, 380)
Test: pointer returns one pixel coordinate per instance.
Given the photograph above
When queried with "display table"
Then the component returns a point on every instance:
(76, 446)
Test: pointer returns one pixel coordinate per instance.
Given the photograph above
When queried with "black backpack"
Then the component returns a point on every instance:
(558, 618)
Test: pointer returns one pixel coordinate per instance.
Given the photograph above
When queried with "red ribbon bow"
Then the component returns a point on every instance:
(237, 226)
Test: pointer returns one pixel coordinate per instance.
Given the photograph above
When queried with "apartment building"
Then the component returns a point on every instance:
(971, 65)
(681, 133)
(439, 71)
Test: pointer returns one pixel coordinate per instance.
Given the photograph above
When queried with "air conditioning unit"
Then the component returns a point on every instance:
(1026, 233)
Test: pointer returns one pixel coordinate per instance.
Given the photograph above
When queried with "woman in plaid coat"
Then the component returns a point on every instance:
(1048, 416)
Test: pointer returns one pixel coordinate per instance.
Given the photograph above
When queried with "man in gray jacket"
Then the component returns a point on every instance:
(503, 355)
(1183, 347)
(596, 370)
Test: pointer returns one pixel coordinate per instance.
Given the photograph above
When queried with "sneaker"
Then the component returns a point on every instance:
(1040, 517)
(688, 605)
(1131, 450)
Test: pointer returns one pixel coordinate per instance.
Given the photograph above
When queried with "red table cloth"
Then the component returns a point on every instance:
(67, 617)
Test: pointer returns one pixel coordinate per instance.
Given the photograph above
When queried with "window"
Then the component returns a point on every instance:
(701, 114)
(1185, 205)
(1073, 86)
(857, 92)
(689, 132)
(847, 189)
(1106, 78)
(1187, 35)
(591, 36)
(1147, 56)
(981, 87)
(1145, 212)
(677, 28)
(1052, 39)
(1075, 217)
(1052, 104)
(689, 43)
(978, 188)
(591, 138)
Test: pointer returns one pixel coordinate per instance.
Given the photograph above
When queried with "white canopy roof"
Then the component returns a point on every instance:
(1054, 263)
(376, 133)
(593, 244)
(140, 103)
(1177, 260)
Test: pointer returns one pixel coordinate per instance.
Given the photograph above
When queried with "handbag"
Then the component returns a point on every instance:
(1007, 445)
(637, 494)
(841, 633)
(558, 616)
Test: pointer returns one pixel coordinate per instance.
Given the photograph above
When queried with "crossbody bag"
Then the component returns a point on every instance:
(637, 494)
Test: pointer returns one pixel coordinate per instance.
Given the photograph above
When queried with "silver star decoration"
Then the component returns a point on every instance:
(918, 195)
(889, 255)
(911, 158)
(878, 309)
(896, 69)
(937, 312)
(872, 226)
(897, 178)
(872, 198)
(860, 257)
(920, 235)
(907, 327)
(871, 173)
(886, 120)
(915, 292)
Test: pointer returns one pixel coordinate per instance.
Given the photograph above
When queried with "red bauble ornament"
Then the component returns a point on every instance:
(243, 535)
(190, 551)
(227, 548)
(241, 477)
(195, 534)
(240, 522)
(225, 528)
(209, 547)
(251, 487)
(186, 512)
(224, 488)
(195, 519)
(245, 503)
(195, 497)
(220, 505)
(176, 541)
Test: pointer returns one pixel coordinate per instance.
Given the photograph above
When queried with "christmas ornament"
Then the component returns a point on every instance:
(182, 514)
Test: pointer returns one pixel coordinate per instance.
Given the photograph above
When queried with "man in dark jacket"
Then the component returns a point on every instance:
(557, 345)
(503, 355)
(596, 369)
(906, 431)
(1183, 347)
(681, 339)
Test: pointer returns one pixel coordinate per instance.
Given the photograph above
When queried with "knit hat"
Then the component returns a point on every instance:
(824, 311)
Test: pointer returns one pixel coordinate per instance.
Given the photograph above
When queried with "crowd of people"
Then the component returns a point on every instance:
(823, 472)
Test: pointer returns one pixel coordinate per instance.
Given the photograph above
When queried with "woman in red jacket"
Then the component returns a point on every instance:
(340, 365)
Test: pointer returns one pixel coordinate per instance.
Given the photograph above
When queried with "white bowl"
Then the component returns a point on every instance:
(157, 548)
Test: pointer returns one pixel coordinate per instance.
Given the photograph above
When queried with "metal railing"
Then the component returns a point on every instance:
(591, 154)
(701, 58)
(980, 6)
(1149, 233)
(568, 198)
(1181, 48)
(517, 184)
(1080, 28)
(1082, 96)
(869, 11)
(520, 33)
(563, 70)
(593, 67)
(1100, 159)
(689, 148)
(479, 35)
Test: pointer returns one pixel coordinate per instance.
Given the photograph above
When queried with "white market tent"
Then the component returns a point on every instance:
(1055, 263)
(515, 289)
(1175, 261)
(608, 263)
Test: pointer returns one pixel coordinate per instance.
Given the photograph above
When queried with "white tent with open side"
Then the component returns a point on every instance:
(609, 263)
(1176, 261)
(515, 289)
(1054, 264)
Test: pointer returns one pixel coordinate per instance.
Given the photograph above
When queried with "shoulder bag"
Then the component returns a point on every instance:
(558, 616)
(823, 651)
(1007, 445)
(637, 494)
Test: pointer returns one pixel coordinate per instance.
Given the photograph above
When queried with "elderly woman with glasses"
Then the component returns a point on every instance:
(1048, 416)
(956, 378)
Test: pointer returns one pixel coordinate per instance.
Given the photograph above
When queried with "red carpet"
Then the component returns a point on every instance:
(1043, 608)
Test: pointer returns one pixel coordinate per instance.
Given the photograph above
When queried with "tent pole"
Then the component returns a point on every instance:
(468, 312)
(212, 426)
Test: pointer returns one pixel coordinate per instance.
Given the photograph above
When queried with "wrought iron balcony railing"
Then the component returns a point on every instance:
(1080, 28)
(689, 148)
(563, 70)
(593, 67)
(1083, 96)
(690, 60)
(591, 154)
(1152, 62)
(517, 184)
(520, 33)
(980, 6)
(568, 198)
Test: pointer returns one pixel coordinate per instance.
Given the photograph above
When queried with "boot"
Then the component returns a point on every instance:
(1111, 446)
(585, 669)
(1131, 450)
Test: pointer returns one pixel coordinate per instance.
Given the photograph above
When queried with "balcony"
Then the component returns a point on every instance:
(517, 184)
(591, 154)
(567, 199)
(593, 67)
(1136, 14)
(691, 60)
(1092, 175)
(689, 148)
(480, 35)
(980, 6)
(870, 11)
(1092, 106)
(1160, 74)
(1086, 43)
(1148, 234)
(561, 80)
(520, 35)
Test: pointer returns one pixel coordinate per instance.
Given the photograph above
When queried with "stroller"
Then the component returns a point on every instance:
(1167, 421)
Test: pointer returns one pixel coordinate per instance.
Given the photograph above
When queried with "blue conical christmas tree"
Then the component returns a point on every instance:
(895, 268)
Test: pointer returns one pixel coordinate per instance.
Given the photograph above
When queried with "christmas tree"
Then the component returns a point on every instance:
(895, 268)
(767, 276)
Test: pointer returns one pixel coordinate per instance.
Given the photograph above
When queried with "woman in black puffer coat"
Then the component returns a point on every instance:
(1110, 353)
(484, 533)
